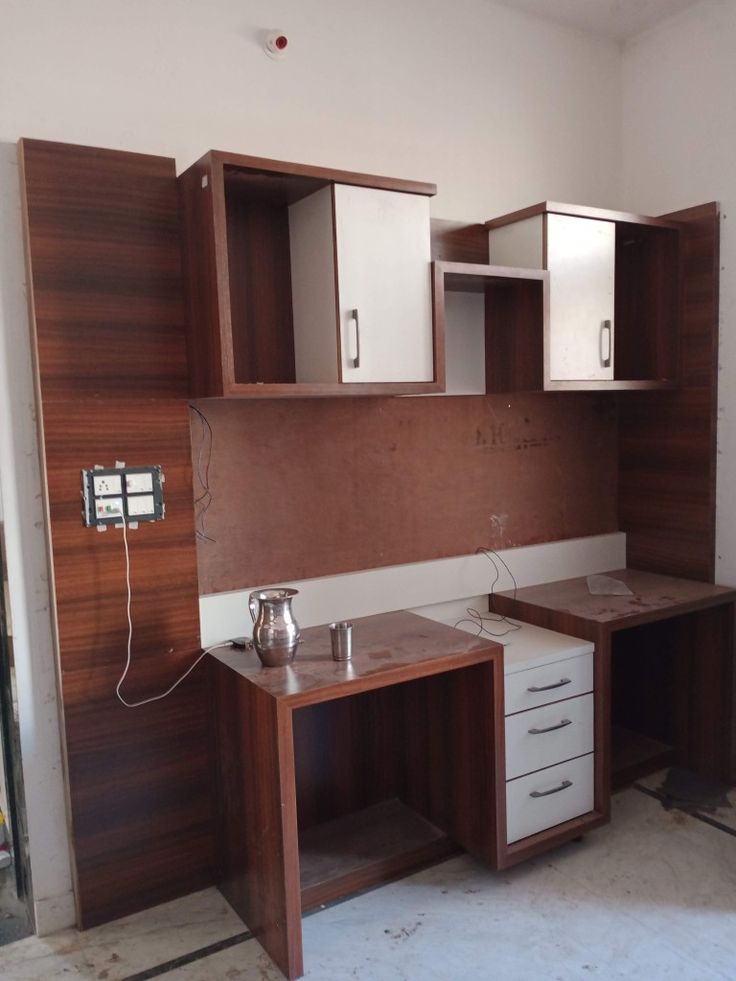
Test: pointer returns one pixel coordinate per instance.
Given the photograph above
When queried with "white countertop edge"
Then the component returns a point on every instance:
(437, 589)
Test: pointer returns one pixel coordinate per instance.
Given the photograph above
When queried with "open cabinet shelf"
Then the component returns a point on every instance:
(364, 848)
(304, 281)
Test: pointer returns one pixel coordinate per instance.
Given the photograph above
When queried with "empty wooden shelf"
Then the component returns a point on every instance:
(334, 776)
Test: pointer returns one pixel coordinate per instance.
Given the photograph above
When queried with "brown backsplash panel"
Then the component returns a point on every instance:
(318, 487)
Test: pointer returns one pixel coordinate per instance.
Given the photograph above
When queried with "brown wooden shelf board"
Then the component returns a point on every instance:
(634, 755)
(364, 848)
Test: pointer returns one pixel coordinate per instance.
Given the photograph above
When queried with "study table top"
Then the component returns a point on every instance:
(654, 597)
(387, 649)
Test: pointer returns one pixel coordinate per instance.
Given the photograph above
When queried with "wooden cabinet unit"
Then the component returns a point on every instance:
(506, 337)
(614, 305)
(551, 749)
(664, 670)
(307, 281)
(338, 775)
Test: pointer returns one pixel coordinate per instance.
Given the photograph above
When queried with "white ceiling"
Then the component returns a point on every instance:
(616, 19)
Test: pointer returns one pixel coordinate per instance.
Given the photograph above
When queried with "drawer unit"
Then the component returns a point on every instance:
(548, 683)
(543, 736)
(550, 738)
(548, 797)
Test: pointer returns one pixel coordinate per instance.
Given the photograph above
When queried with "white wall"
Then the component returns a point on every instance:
(497, 108)
(679, 143)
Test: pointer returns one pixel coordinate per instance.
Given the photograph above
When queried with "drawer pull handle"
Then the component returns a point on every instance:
(555, 790)
(558, 684)
(558, 725)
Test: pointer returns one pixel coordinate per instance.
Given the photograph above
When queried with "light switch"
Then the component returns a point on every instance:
(109, 507)
(139, 483)
(140, 504)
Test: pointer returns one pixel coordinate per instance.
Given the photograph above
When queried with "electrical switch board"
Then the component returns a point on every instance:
(122, 494)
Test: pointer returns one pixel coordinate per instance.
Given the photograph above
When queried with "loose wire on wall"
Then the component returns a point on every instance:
(154, 698)
(479, 620)
(203, 502)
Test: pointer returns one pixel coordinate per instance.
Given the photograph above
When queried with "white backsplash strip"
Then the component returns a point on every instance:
(440, 588)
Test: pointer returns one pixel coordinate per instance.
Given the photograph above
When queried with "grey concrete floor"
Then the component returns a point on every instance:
(651, 896)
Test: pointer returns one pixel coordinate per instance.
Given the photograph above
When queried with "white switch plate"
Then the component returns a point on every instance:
(140, 504)
(139, 483)
(109, 507)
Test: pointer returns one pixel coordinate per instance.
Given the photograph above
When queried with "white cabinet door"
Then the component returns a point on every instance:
(384, 292)
(581, 261)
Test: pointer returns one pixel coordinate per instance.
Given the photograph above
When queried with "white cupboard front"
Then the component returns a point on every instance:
(361, 291)
(580, 254)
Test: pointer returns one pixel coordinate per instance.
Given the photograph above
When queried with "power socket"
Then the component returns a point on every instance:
(107, 484)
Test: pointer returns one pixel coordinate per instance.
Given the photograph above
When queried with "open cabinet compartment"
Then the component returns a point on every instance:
(260, 266)
(662, 674)
(386, 781)
(494, 319)
(647, 304)
(614, 316)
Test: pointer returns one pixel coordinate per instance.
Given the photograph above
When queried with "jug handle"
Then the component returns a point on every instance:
(252, 606)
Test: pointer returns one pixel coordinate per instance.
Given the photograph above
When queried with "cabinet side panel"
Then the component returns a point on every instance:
(196, 192)
(258, 834)
(106, 275)
(667, 440)
(520, 244)
(139, 792)
(312, 241)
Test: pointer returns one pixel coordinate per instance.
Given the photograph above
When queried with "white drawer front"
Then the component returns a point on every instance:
(548, 735)
(549, 682)
(564, 791)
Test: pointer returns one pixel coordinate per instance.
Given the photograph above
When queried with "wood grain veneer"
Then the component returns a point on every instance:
(108, 328)
(667, 440)
(237, 260)
(664, 665)
(415, 717)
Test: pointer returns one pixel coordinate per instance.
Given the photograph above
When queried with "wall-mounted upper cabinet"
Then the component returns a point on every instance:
(304, 281)
(614, 310)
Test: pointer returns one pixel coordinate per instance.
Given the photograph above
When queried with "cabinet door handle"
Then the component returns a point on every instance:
(605, 344)
(559, 725)
(356, 359)
(557, 684)
(555, 790)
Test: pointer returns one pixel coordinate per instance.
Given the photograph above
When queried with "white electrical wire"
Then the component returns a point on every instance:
(155, 698)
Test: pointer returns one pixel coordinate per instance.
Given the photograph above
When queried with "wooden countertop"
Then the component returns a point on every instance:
(652, 595)
(387, 649)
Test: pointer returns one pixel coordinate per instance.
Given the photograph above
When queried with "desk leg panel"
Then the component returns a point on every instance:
(453, 732)
(705, 686)
(259, 857)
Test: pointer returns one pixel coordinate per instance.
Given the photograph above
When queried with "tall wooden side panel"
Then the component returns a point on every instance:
(108, 326)
(667, 440)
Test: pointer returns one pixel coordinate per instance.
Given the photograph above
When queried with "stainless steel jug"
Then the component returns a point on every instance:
(275, 631)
